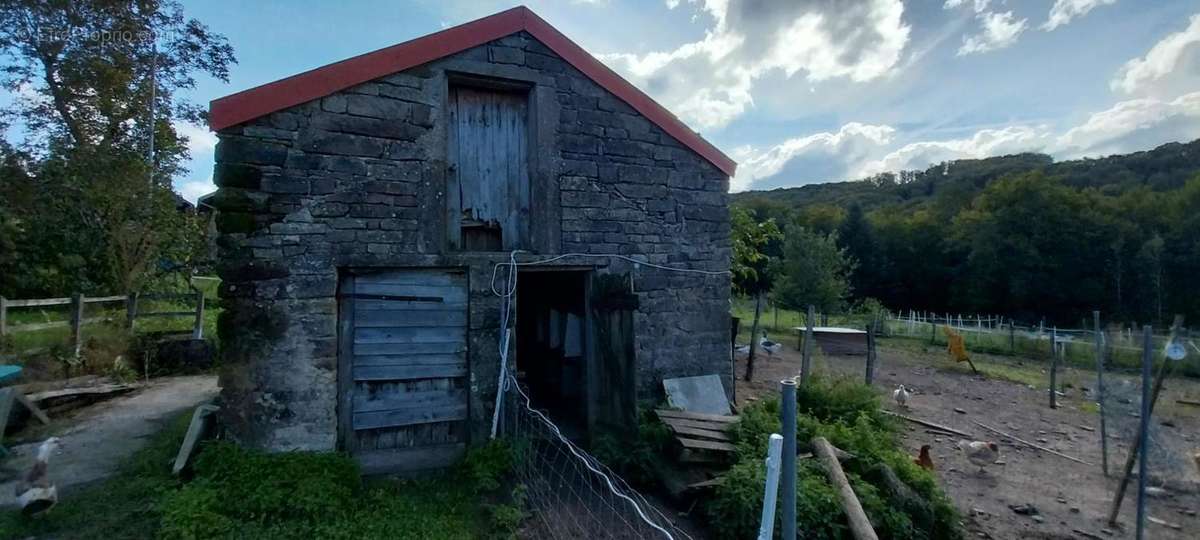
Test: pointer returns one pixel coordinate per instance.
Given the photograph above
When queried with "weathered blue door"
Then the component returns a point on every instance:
(487, 193)
(402, 368)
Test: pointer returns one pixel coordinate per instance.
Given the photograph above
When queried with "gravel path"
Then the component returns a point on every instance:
(98, 439)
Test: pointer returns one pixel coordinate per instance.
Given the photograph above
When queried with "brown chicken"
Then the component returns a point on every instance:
(924, 460)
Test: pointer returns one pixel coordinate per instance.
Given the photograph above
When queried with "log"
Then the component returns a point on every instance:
(927, 423)
(90, 391)
(1031, 445)
(860, 526)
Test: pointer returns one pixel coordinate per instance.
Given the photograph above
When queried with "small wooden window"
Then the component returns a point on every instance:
(488, 184)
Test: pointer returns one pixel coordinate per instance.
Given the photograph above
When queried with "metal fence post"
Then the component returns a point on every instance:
(1144, 428)
(787, 417)
(766, 525)
(1053, 367)
(3, 316)
(1100, 391)
(77, 323)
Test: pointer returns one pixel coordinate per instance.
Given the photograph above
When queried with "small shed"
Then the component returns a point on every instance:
(365, 209)
(836, 341)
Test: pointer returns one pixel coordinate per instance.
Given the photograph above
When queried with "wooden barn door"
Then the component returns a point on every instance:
(402, 369)
(612, 373)
(488, 149)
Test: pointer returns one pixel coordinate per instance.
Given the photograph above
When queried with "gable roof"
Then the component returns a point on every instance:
(313, 84)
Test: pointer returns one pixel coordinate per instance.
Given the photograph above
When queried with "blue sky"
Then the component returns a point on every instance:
(804, 91)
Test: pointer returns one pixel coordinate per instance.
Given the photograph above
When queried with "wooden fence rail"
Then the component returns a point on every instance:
(77, 319)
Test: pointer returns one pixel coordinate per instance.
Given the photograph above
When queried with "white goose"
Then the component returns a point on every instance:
(767, 345)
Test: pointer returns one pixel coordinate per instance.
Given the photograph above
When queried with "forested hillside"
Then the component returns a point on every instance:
(1017, 235)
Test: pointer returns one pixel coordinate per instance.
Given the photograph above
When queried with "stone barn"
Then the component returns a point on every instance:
(367, 211)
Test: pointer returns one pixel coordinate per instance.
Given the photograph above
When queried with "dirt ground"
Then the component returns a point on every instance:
(1072, 499)
(96, 440)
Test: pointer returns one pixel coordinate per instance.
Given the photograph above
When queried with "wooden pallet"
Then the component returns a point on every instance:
(702, 436)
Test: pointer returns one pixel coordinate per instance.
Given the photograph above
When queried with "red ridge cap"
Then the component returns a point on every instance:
(320, 82)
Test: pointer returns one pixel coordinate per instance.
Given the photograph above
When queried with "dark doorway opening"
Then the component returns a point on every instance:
(552, 348)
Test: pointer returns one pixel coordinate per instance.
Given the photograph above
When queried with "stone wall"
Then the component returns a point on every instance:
(354, 180)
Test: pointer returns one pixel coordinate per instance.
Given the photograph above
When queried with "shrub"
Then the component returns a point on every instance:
(486, 465)
(637, 458)
(847, 414)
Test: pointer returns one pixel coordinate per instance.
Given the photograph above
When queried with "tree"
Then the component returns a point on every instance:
(97, 203)
(753, 243)
(857, 236)
(814, 271)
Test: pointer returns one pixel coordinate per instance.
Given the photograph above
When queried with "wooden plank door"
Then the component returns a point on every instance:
(402, 369)
(612, 372)
(488, 150)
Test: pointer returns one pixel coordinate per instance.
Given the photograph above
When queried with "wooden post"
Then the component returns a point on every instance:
(806, 354)
(131, 308)
(1053, 368)
(198, 326)
(3, 316)
(860, 526)
(775, 328)
(1100, 391)
(870, 375)
(1012, 338)
(1146, 412)
(932, 333)
(76, 323)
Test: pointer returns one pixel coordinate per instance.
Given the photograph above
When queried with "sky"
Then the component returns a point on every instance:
(807, 91)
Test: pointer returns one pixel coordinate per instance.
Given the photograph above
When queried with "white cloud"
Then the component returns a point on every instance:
(979, 6)
(860, 150)
(199, 139)
(194, 189)
(1064, 10)
(710, 82)
(1131, 125)
(984, 143)
(997, 31)
(1171, 66)
(844, 149)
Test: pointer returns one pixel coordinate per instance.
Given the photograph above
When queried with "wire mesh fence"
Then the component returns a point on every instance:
(1120, 345)
(569, 493)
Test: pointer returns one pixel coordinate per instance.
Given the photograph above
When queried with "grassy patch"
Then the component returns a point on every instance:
(236, 493)
(124, 506)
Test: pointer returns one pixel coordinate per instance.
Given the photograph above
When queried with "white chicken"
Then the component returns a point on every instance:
(34, 492)
(901, 396)
(980, 453)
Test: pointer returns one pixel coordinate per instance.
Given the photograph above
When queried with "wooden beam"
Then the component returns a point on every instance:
(1031, 445)
(694, 444)
(200, 421)
(696, 416)
(701, 433)
(860, 526)
(927, 423)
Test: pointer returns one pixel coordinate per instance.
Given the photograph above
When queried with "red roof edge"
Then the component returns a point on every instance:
(320, 82)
